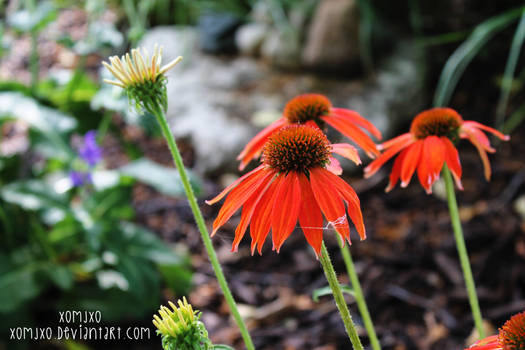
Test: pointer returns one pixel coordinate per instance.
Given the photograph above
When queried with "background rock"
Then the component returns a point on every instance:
(333, 38)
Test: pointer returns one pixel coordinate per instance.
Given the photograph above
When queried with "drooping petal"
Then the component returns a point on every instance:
(489, 343)
(334, 166)
(394, 148)
(398, 139)
(351, 131)
(471, 123)
(437, 155)
(347, 151)
(431, 162)
(230, 187)
(482, 153)
(310, 216)
(330, 202)
(410, 162)
(468, 132)
(356, 118)
(452, 160)
(286, 208)
(239, 195)
(254, 147)
(351, 199)
(395, 174)
(261, 222)
(247, 212)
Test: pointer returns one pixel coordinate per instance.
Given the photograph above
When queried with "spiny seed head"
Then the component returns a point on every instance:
(143, 78)
(436, 122)
(512, 334)
(296, 148)
(306, 107)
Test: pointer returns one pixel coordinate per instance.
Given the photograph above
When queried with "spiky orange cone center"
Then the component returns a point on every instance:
(297, 148)
(306, 107)
(512, 334)
(436, 122)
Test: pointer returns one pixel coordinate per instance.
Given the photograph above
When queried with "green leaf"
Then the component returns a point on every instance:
(326, 290)
(510, 67)
(34, 195)
(45, 119)
(18, 286)
(27, 21)
(460, 59)
(163, 179)
(61, 275)
(222, 347)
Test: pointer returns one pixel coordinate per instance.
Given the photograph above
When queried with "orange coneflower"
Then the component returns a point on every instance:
(318, 109)
(510, 337)
(429, 145)
(293, 183)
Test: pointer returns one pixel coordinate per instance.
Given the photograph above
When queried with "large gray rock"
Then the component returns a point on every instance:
(333, 38)
(203, 97)
(250, 37)
(282, 48)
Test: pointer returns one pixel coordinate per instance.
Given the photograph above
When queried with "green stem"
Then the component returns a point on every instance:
(358, 295)
(331, 277)
(161, 118)
(33, 61)
(462, 251)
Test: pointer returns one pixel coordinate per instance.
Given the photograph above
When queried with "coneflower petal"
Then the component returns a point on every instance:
(351, 131)
(483, 140)
(356, 118)
(482, 153)
(238, 196)
(398, 139)
(373, 167)
(437, 155)
(396, 171)
(230, 187)
(487, 128)
(334, 166)
(347, 151)
(452, 160)
(247, 212)
(410, 162)
(285, 209)
(255, 146)
(310, 216)
(330, 202)
(260, 223)
(351, 199)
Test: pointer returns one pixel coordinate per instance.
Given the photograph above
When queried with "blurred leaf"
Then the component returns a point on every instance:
(26, 21)
(222, 347)
(100, 35)
(326, 290)
(460, 59)
(45, 119)
(514, 120)
(34, 195)
(62, 276)
(18, 286)
(510, 67)
(163, 179)
(178, 278)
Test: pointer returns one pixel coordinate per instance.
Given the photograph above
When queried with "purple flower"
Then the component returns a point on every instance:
(79, 178)
(90, 152)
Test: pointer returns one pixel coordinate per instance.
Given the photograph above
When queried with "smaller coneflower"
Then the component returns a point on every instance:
(142, 78)
(510, 337)
(429, 145)
(318, 109)
(181, 328)
(293, 183)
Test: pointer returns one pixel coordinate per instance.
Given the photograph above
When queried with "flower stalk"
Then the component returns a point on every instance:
(168, 135)
(462, 251)
(331, 277)
(358, 295)
(145, 83)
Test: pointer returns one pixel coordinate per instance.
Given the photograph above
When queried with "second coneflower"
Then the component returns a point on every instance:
(510, 337)
(293, 183)
(318, 109)
(429, 145)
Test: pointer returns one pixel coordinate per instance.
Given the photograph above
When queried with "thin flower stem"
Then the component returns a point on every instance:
(358, 295)
(462, 251)
(161, 118)
(331, 277)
